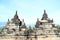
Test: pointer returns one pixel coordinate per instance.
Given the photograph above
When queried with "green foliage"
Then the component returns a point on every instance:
(58, 27)
(31, 29)
(2, 28)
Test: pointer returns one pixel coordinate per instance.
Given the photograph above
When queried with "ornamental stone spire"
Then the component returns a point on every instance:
(16, 16)
(37, 23)
(23, 24)
(16, 19)
(45, 16)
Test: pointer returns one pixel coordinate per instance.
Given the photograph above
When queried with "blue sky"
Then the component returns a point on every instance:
(29, 10)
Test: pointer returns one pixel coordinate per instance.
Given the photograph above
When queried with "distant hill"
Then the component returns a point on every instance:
(2, 24)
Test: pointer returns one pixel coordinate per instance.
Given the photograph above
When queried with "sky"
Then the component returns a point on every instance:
(29, 10)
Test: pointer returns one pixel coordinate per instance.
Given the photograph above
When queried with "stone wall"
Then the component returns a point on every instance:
(31, 38)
